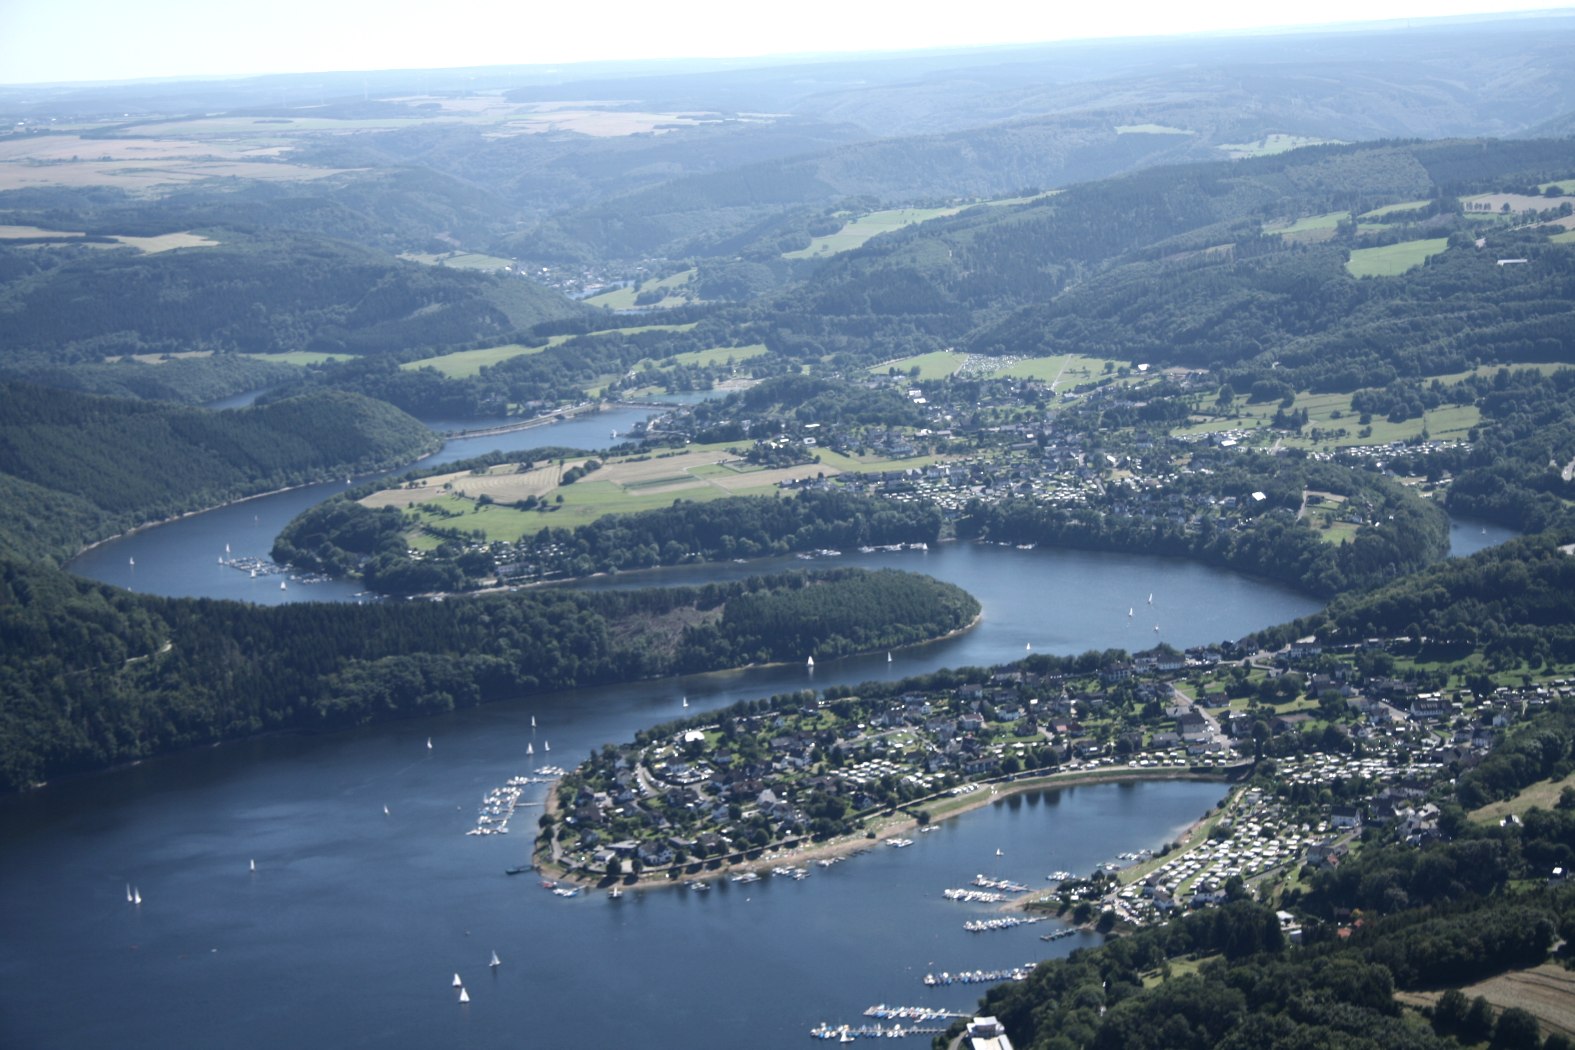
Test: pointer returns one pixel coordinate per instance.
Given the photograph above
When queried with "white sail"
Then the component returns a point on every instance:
(457, 982)
(810, 662)
(888, 658)
(283, 586)
(495, 960)
(133, 562)
(464, 996)
(529, 750)
(254, 865)
(136, 896)
(546, 745)
(533, 721)
(686, 701)
(128, 893)
(385, 811)
(429, 743)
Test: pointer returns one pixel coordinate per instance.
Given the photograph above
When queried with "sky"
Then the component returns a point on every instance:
(45, 41)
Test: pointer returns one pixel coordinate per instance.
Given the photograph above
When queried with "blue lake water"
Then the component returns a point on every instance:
(352, 926)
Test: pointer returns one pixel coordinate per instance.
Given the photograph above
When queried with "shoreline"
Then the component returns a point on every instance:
(884, 828)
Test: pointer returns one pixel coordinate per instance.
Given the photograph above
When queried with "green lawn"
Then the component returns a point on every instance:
(1391, 260)
(1544, 793)
(855, 233)
(1068, 369)
(1567, 185)
(301, 357)
(1567, 237)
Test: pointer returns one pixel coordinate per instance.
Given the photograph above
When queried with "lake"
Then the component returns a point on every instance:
(355, 920)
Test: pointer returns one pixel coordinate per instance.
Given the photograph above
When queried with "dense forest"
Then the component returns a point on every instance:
(77, 468)
(249, 294)
(93, 676)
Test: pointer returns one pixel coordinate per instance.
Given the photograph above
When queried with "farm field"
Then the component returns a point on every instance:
(717, 356)
(146, 245)
(623, 298)
(1390, 209)
(1392, 260)
(471, 501)
(1547, 992)
(855, 233)
(461, 260)
(1310, 227)
(462, 364)
(1445, 423)
(135, 164)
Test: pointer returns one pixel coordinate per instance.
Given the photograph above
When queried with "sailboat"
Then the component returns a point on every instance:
(221, 559)
(253, 865)
(888, 658)
(686, 701)
(999, 853)
(136, 896)
(429, 743)
(457, 982)
(128, 893)
(495, 960)
(133, 562)
(283, 586)
(1151, 598)
(810, 663)
(226, 548)
(546, 745)
(533, 721)
(385, 811)
(1028, 647)
(464, 996)
(529, 750)
(1129, 612)
(1156, 628)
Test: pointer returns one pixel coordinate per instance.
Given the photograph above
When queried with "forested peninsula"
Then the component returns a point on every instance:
(94, 676)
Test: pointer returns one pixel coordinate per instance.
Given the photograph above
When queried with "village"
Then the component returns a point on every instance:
(1320, 760)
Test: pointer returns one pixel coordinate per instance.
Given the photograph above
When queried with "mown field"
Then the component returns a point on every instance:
(1392, 260)
(623, 298)
(857, 231)
(485, 501)
(462, 364)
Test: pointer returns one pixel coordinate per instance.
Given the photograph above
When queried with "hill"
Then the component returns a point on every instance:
(77, 468)
(148, 675)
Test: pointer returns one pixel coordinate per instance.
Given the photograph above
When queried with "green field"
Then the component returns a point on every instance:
(1392, 260)
(717, 356)
(1065, 370)
(623, 298)
(936, 365)
(1567, 237)
(1544, 793)
(855, 233)
(460, 260)
(1151, 129)
(1271, 144)
(1446, 423)
(1390, 209)
(463, 364)
(1308, 224)
(301, 357)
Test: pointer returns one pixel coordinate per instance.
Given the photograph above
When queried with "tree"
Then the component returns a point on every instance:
(1516, 1030)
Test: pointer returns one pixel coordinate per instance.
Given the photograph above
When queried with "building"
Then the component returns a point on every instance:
(986, 1033)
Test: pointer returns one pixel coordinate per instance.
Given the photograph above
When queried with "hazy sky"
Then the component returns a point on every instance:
(68, 40)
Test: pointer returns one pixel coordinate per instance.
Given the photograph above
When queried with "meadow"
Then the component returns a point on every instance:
(1392, 260)
(854, 233)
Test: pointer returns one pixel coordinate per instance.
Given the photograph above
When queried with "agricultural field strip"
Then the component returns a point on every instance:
(146, 245)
